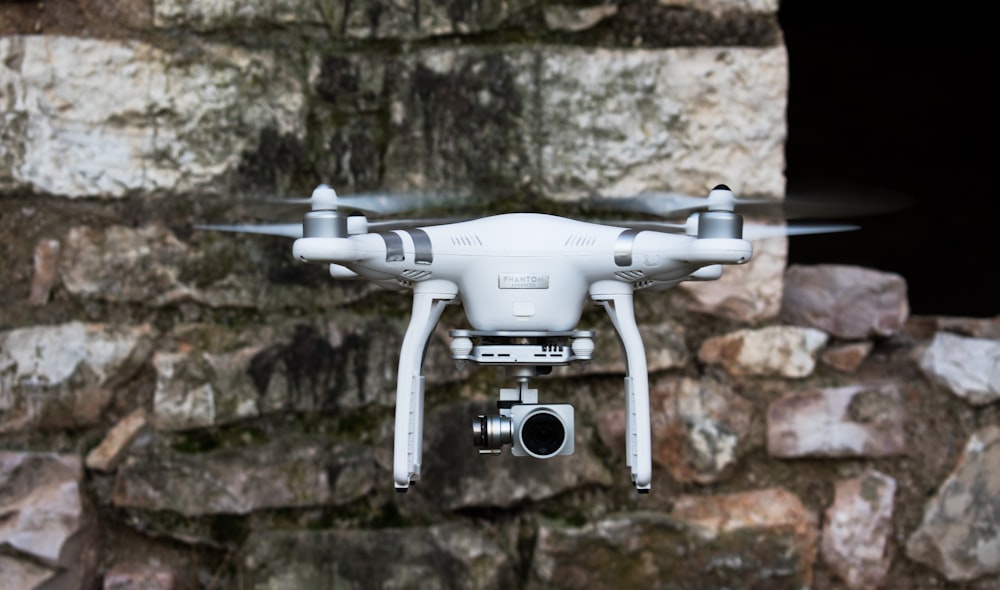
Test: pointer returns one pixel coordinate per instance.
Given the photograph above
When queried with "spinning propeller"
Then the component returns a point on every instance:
(667, 205)
(324, 198)
(659, 208)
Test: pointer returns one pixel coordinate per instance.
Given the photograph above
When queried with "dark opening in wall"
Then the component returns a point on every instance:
(900, 100)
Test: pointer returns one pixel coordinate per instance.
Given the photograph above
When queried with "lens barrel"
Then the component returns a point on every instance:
(542, 433)
(490, 433)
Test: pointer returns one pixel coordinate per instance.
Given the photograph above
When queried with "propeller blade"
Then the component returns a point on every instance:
(287, 230)
(831, 201)
(664, 204)
(757, 231)
(377, 203)
(294, 230)
(391, 224)
(369, 203)
(388, 203)
(661, 226)
(842, 202)
(751, 231)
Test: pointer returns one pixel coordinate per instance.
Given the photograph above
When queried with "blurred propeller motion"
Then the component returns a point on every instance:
(772, 217)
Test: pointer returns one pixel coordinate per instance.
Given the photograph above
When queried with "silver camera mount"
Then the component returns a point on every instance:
(531, 428)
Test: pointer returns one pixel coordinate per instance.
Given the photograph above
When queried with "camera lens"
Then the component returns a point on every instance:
(543, 434)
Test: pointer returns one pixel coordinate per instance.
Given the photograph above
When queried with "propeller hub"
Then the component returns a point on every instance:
(323, 198)
(721, 199)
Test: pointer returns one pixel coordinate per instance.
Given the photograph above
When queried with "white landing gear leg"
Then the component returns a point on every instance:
(617, 300)
(429, 301)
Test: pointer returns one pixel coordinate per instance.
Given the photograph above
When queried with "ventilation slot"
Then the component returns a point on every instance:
(580, 241)
(630, 275)
(414, 274)
(472, 240)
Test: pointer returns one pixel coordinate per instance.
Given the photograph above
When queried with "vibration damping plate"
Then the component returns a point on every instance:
(535, 348)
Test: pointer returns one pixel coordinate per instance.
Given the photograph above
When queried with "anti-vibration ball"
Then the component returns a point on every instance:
(583, 348)
(461, 347)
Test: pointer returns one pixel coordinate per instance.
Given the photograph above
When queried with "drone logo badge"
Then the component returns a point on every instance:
(522, 280)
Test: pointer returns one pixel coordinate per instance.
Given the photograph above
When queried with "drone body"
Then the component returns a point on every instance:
(521, 271)
(523, 280)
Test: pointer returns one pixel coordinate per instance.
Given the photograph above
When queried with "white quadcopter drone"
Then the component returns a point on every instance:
(523, 279)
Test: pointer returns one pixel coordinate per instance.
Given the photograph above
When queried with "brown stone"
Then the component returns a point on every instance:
(139, 576)
(958, 535)
(611, 429)
(785, 351)
(857, 530)
(774, 509)
(46, 272)
(47, 518)
(925, 327)
(854, 421)
(968, 367)
(98, 18)
(287, 473)
(758, 539)
(847, 357)
(846, 301)
(106, 455)
(64, 376)
(699, 428)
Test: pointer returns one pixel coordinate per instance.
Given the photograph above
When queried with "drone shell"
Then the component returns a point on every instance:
(523, 271)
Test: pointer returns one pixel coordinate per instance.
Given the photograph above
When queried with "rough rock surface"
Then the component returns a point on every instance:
(137, 576)
(958, 534)
(457, 556)
(845, 301)
(653, 549)
(700, 428)
(857, 530)
(47, 522)
(694, 546)
(75, 140)
(860, 420)
(149, 265)
(106, 456)
(786, 351)
(62, 376)
(847, 357)
(285, 473)
(46, 271)
(968, 367)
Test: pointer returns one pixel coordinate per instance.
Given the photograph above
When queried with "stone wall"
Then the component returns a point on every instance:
(184, 409)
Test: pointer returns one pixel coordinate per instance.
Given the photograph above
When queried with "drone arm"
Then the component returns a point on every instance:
(710, 251)
(617, 299)
(429, 300)
(345, 250)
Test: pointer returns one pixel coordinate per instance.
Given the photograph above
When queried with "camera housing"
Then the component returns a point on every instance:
(541, 431)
